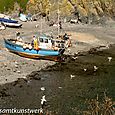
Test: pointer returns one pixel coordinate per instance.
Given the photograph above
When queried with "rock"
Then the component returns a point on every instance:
(92, 51)
(21, 86)
(102, 20)
(36, 78)
(16, 62)
(18, 71)
(14, 70)
(8, 69)
(5, 65)
(84, 19)
(19, 81)
(16, 66)
(3, 93)
(34, 75)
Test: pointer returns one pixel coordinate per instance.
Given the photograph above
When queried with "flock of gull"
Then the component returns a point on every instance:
(43, 99)
(95, 68)
(85, 69)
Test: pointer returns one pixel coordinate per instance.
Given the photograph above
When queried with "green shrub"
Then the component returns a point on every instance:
(6, 5)
(22, 3)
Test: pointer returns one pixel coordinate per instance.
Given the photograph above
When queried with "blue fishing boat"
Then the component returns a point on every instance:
(8, 20)
(26, 49)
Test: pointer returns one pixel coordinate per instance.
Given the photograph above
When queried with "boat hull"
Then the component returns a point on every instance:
(12, 25)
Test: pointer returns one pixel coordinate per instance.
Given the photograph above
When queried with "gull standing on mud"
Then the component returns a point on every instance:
(74, 58)
(85, 69)
(24, 77)
(95, 68)
(43, 101)
(107, 46)
(109, 58)
(37, 25)
(42, 88)
(72, 76)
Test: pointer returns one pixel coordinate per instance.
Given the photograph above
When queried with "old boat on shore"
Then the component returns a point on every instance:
(44, 51)
(8, 20)
(12, 25)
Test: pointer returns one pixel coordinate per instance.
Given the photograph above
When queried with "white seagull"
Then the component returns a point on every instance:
(42, 88)
(109, 58)
(60, 87)
(24, 77)
(107, 46)
(16, 62)
(95, 68)
(43, 100)
(37, 25)
(85, 69)
(72, 76)
(74, 58)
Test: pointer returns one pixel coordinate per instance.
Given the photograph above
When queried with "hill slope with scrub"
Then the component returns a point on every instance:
(67, 7)
(82, 9)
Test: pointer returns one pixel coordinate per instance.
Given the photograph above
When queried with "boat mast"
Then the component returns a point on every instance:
(41, 26)
(41, 18)
(58, 17)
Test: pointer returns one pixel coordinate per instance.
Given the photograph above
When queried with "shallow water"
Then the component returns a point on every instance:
(65, 96)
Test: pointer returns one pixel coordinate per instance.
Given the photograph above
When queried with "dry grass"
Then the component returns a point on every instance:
(96, 107)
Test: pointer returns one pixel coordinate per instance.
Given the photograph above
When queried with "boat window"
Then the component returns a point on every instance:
(59, 45)
(46, 40)
(41, 40)
(62, 45)
(57, 42)
(52, 41)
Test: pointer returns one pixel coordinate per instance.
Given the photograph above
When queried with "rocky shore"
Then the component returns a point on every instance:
(83, 37)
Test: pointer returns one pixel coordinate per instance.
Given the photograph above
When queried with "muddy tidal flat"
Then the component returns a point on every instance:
(88, 70)
(67, 85)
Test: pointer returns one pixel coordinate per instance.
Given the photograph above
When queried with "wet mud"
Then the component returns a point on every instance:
(67, 84)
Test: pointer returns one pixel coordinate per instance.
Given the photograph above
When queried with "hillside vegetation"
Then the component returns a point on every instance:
(8, 5)
(78, 8)
(83, 7)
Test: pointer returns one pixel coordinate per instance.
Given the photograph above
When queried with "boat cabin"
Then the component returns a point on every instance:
(48, 43)
(45, 42)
